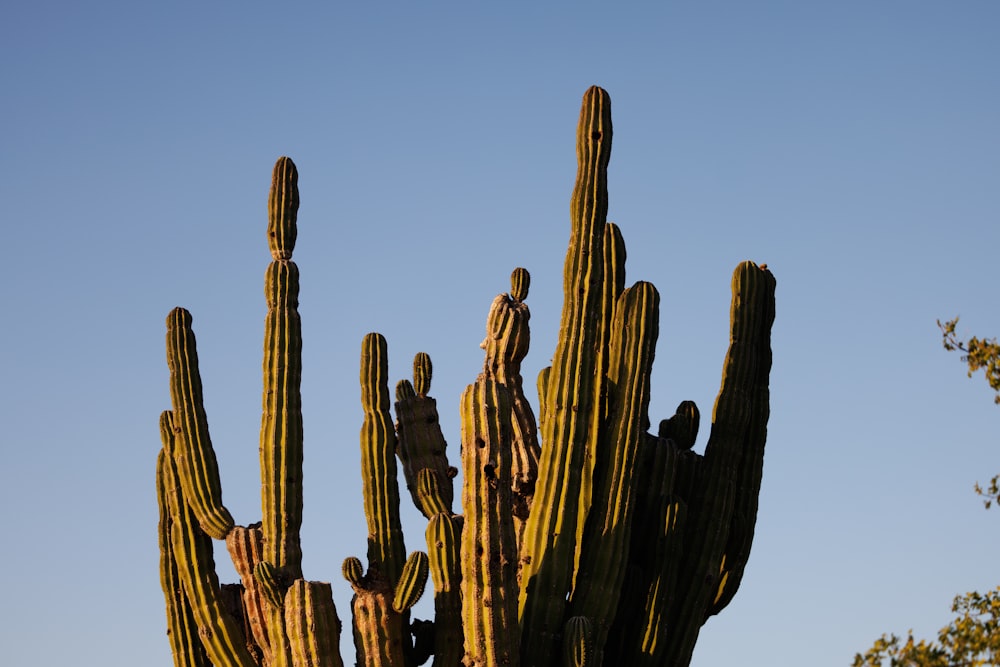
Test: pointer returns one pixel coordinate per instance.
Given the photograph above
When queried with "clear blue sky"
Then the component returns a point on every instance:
(853, 146)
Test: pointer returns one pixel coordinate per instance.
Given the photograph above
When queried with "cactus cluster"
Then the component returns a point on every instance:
(582, 538)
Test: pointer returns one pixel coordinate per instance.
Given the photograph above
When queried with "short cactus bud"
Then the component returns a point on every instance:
(283, 209)
(682, 428)
(404, 390)
(578, 642)
(267, 576)
(353, 570)
(520, 280)
(429, 493)
(411, 582)
(422, 371)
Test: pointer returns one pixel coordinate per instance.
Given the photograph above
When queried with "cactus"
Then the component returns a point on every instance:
(582, 534)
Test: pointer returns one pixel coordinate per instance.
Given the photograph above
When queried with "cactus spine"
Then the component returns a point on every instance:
(582, 534)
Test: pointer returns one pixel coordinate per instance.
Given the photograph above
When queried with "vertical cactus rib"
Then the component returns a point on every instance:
(562, 494)
(313, 625)
(489, 556)
(386, 550)
(193, 454)
(604, 553)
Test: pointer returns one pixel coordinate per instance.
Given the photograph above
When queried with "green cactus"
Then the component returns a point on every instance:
(582, 534)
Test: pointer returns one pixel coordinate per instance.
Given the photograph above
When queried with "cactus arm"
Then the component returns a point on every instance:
(421, 444)
(604, 553)
(444, 542)
(430, 500)
(192, 548)
(281, 418)
(386, 550)
(489, 556)
(563, 490)
(283, 209)
(193, 453)
(578, 643)
(710, 512)
(312, 624)
(506, 344)
(182, 628)
(750, 469)
(411, 582)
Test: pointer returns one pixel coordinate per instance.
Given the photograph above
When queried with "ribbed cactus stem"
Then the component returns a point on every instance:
(411, 582)
(312, 624)
(578, 643)
(654, 627)
(386, 550)
(734, 424)
(489, 555)
(508, 338)
(421, 444)
(182, 628)
(430, 500)
(195, 563)
(281, 421)
(193, 453)
(423, 370)
(282, 209)
(751, 464)
(604, 554)
(444, 536)
(563, 492)
(378, 628)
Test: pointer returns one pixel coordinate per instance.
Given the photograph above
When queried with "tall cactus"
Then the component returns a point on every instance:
(584, 539)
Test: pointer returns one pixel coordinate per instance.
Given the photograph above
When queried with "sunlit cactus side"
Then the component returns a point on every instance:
(444, 543)
(554, 531)
(386, 549)
(604, 553)
(489, 550)
(508, 337)
(584, 538)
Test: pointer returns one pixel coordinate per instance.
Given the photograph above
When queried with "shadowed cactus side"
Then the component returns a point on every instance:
(583, 538)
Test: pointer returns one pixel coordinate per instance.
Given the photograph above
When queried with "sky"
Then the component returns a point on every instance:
(852, 146)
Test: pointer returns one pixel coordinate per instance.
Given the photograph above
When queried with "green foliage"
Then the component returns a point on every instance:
(972, 639)
(978, 354)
